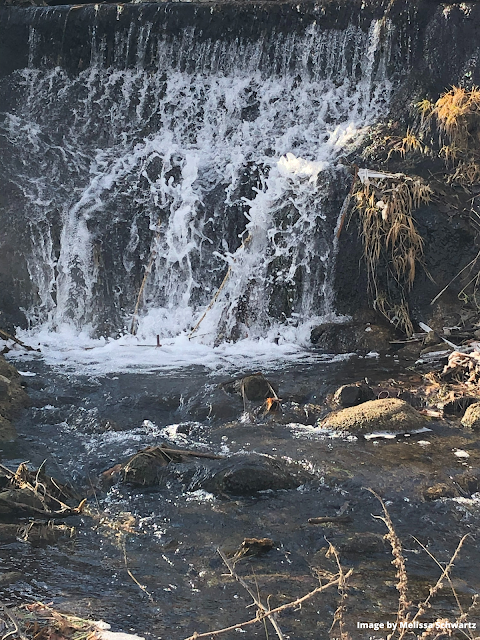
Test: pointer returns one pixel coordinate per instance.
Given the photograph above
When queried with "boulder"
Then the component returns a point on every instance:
(247, 475)
(471, 418)
(389, 414)
(356, 336)
(350, 395)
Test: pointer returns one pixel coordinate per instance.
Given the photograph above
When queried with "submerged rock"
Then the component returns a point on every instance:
(439, 490)
(237, 475)
(255, 387)
(246, 475)
(362, 543)
(389, 414)
(7, 430)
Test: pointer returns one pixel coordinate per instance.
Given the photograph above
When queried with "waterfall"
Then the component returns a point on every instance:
(213, 162)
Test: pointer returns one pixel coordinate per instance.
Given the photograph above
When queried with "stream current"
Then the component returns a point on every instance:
(167, 535)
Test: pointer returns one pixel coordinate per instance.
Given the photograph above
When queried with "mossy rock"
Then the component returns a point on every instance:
(388, 414)
(471, 418)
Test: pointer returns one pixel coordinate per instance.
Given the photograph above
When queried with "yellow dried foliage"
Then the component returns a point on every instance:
(408, 144)
(453, 112)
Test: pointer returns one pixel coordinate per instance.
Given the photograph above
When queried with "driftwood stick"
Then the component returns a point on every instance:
(323, 519)
(194, 454)
(7, 336)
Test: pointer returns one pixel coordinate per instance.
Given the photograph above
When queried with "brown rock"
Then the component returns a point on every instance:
(4, 388)
(468, 481)
(471, 418)
(389, 414)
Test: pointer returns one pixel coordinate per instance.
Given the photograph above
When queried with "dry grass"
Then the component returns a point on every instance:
(391, 239)
(410, 143)
(455, 113)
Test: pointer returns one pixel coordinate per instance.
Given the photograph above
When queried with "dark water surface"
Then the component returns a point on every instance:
(168, 535)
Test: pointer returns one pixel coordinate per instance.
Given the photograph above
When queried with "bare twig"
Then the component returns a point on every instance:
(219, 290)
(16, 631)
(283, 607)
(148, 268)
(261, 607)
(342, 590)
(140, 586)
(422, 608)
(399, 563)
(7, 336)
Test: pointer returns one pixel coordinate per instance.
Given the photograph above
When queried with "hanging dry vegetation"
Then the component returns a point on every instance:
(391, 241)
(456, 116)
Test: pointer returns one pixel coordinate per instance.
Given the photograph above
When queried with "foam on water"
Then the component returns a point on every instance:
(215, 174)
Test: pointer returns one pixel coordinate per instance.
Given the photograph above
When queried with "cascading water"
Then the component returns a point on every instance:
(213, 165)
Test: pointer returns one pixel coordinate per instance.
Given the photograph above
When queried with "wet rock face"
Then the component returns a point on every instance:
(12, 398)
(246, 478)
(347, 338)
(238, 475)
(389, 414)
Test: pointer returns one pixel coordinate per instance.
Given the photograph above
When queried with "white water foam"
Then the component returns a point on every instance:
(217, 175)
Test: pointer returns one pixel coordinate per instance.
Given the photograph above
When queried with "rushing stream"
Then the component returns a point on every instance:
(84, 424)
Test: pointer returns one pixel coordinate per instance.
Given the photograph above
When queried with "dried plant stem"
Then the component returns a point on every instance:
(260, 616)
(399, 563)
(422, 608)
(261, 607)
(140, 586)
(342, 589)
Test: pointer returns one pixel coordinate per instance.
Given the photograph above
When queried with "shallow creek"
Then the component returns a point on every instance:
(167, 536)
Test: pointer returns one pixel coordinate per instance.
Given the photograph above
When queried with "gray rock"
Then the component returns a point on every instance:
(4, 388)
(350, 395)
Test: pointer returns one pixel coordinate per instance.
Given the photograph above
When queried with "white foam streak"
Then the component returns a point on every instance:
(205, 171)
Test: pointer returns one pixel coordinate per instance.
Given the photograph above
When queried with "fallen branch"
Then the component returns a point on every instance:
(193, 454)
(7, 336)
(324, 519)
(219, 290)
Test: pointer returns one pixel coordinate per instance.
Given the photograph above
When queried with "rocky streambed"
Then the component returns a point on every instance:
(176, 465)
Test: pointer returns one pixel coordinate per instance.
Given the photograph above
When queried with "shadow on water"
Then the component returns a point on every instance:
(167, 535)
